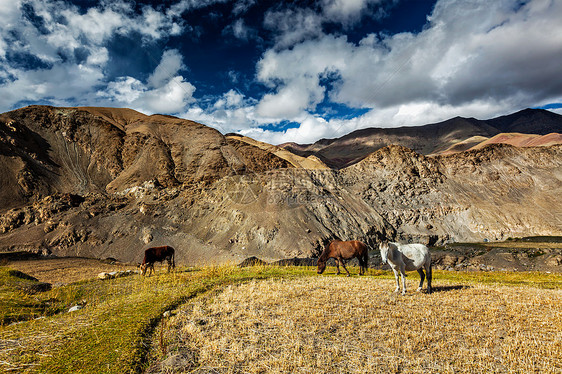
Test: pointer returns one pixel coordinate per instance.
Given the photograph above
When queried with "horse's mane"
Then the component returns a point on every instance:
(325, 253)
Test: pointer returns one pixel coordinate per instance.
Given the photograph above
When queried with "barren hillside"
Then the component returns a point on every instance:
(102, 182)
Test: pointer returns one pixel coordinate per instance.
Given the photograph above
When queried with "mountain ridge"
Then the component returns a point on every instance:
(427, 139)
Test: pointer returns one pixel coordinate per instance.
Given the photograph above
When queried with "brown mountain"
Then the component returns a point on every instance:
(105, 182)
(435, 138)
(44, 150)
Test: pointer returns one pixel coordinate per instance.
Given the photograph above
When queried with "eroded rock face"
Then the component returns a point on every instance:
(97, 182)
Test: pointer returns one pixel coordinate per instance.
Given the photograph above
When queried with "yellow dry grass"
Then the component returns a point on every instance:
(357, 325)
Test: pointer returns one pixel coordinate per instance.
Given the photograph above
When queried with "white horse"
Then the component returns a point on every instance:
(407, 257)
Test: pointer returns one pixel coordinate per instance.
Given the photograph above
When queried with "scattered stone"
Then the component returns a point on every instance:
(177, 362)
(115, 274)
(554, 261)
(75, 308)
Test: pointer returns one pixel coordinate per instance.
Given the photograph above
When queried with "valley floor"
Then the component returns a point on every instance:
(267, 319)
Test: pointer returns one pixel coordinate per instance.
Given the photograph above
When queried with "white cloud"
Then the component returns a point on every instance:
(292, 99)
(70, 48)
(240, 30)
(63, 83)
(473, 58)
(231, 112)
(347, 11)
(242, 6)
(293, 25)
(165, 92)
(168, 67)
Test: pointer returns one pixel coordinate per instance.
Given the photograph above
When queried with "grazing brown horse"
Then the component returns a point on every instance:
(341, 251)
(157, 254)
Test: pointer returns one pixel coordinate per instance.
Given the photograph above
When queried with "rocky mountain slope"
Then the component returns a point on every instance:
(101, 182)
(454, 135)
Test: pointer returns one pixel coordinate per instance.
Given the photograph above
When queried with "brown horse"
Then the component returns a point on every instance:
(344, 251)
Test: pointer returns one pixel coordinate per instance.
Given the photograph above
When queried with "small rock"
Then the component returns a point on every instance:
(105, 275)
(75, 308)
(176, 362)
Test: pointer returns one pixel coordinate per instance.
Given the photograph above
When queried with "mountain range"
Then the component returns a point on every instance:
(454, 135)
(108, 182)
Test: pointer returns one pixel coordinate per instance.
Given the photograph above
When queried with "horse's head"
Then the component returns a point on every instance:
(384, 247)
(321, 266)
(143, 268)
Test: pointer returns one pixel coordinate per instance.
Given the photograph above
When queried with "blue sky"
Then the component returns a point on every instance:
(285, 71)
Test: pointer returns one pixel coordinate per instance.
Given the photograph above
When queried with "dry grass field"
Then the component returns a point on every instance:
(269, 319)
(327, 324)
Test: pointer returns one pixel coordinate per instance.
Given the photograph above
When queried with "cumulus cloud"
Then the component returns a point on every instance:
(230, 112)
(348, 11)
(165, 91)
(168, 67)
(67, 50)
(292, 26)
(473, 58)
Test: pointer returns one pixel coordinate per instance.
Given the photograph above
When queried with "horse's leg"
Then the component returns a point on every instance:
(422, 277)
(428, 270)
(344, 268)
(362, 265)
(337, 266)
(403, 274)
(397, 277)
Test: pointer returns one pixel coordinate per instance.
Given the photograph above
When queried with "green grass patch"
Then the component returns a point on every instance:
(21, 297)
